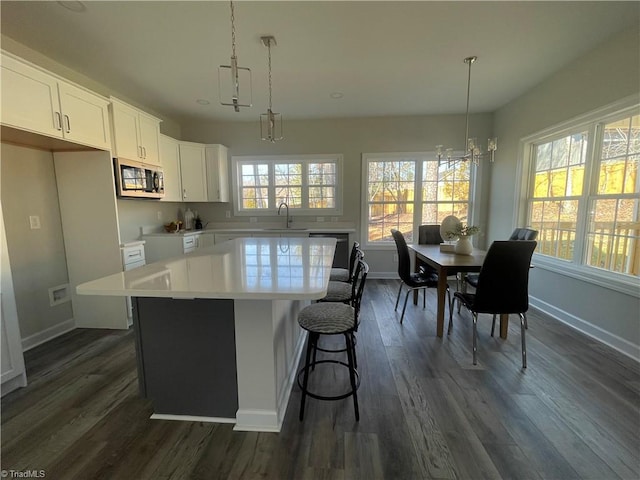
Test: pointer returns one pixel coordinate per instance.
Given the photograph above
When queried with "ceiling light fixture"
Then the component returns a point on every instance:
(229, 93)
(270, 122)
(473, 151)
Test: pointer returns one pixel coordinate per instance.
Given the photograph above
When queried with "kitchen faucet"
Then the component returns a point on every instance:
(283, 204)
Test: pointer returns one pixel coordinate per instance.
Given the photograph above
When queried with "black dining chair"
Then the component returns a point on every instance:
(503, 287)
(413, 281)
(520, 233)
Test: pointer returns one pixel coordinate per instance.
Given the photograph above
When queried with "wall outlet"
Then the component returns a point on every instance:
(34, 222)
(395, 258)
(334, 219)
(159, 215)
(227, 214)
(253, 219)
(319, 219)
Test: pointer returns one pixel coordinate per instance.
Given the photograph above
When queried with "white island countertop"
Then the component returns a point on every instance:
(245, 268)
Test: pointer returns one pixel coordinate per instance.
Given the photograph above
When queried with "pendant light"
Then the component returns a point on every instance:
(232, 79)
(270, 122)
(473, 151)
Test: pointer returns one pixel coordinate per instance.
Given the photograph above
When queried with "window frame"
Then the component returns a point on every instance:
(592, 123)
(271, 160)
(418, 202)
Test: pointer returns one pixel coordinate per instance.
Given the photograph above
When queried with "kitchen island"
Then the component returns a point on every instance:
(216, 330)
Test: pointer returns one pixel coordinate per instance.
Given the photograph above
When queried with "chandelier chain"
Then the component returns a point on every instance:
(269, 49)
(233, 31)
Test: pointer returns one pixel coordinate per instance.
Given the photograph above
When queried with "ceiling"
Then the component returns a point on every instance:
(385, 57)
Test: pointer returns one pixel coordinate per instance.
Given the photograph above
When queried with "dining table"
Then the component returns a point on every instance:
(447, 263)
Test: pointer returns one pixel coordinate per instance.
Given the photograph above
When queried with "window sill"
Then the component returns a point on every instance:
(616, 282)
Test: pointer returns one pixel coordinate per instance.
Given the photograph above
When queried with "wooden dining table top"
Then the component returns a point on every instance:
(450, 260)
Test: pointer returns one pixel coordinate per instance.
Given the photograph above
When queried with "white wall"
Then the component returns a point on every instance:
(608, 73)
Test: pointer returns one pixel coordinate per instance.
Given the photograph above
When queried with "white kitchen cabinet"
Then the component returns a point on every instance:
(40, 102)
(132, 257)
(13, 369)
(170, 162)
(205, 240)
(217, 173)
(136, 134)
(193, 172)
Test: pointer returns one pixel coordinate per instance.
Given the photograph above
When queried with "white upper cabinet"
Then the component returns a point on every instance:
(136, 134)
(39, 102)
(193, 170)
(217, 173)
(170, 162)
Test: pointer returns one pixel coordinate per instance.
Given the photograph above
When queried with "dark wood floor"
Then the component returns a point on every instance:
(426, 411)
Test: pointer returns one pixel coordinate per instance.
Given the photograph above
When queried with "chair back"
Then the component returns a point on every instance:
(429, 235)
(359, 279)
(524, 234)
(503, 282)
(404, 259)
(356, 253)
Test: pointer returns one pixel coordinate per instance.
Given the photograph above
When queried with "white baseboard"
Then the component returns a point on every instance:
(49, 334)
(257, 421)
(593, 331)
(14, 384)
(191, 418)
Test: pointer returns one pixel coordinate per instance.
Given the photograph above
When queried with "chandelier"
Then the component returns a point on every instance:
(270, 122)
(229, 77)
(473, 150)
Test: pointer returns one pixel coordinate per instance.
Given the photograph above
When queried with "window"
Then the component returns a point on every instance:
(403, 191)
(307, 183)
(584, 197)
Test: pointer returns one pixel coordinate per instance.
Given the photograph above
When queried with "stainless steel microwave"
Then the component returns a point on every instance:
(137, 179)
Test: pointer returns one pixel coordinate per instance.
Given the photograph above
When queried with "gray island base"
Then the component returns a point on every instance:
(189, 351)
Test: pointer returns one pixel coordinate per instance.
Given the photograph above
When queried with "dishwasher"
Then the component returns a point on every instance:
(341, 257)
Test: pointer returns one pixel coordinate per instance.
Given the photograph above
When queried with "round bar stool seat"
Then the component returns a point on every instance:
(339, 275)
(328, 318)
(338, 291)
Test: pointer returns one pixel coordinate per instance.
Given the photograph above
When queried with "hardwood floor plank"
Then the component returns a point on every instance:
(583, 460)
(433, 455)
(362, 456)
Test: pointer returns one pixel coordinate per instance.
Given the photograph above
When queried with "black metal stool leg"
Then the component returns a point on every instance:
(310, 341)
(352, 377)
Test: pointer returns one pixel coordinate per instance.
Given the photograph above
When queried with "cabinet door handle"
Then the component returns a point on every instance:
(184, 193)
(144, 152)
(66, 117)
(58, 121)
(139, 152)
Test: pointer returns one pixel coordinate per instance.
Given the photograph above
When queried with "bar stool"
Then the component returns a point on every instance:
(332, 318)
(343, 274)
(343, 291)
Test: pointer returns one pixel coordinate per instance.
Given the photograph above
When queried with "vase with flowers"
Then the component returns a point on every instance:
(464, 234)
